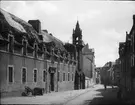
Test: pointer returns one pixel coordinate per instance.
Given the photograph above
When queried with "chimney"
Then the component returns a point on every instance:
(133, 19)
(45, 31)
(36, 24)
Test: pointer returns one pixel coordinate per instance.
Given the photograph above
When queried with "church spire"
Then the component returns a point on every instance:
(77, 34)
(77, 25)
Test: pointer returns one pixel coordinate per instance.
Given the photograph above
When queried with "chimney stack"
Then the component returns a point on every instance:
(36, 24)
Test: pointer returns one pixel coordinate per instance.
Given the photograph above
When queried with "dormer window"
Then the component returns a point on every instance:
(35, 52)
(52, 51)
(11, 43)
(44, 52)
(58, 53)
(24, 47)
(64, 55)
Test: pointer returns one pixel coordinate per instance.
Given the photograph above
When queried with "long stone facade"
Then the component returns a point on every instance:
(32, 57)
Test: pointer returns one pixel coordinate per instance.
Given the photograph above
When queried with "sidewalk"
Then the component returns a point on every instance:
(50, 98)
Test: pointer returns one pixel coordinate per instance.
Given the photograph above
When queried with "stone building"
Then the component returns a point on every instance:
(79, 82)
(98, 77)
(88, 63)
(127, 64)
(33, 57)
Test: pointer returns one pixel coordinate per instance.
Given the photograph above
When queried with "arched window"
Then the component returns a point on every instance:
(68, 76)
(24, 74)
(44, 76)
(58, 76)
(35, 75)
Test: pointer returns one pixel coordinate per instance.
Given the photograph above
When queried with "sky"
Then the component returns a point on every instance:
(103, 23)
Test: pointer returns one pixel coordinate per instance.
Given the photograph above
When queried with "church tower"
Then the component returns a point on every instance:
(77, 35)
(77, 41)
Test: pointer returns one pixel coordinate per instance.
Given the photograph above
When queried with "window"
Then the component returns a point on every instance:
(24, 47)
(11, 42)
(63, 76)
(10, 74)
(72, 77)
(44, 75)
(68, 76)
(35, 51)
(35, 75)
(58, 76)
(24, 73)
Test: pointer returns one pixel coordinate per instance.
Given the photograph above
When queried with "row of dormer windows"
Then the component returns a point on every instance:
(34, 53)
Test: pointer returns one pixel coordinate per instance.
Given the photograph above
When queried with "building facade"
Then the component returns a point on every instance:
(127, 64)
(98, 77)
(88, 63)
(107, 73)
(32, 57)
(79, 82)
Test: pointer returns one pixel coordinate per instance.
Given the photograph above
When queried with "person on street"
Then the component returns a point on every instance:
(105, 86)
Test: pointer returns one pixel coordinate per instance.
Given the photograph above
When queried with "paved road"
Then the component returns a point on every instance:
(96, 96)
(91, 96)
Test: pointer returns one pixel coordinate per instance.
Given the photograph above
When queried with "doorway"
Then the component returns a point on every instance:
(52, 81)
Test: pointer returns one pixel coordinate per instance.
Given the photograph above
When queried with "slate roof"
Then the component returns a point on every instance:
(12, 24)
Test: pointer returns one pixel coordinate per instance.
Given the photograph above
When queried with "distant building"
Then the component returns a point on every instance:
(98, 77)
(106, 73)
(32, 57)
(88, 63)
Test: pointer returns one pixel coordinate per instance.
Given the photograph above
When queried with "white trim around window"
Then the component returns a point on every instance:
(26, 75)
(8, 74)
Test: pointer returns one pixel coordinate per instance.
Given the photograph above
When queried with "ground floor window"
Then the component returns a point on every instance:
(10, 74)
(63, 76)
(24, 73)
(35, 75)
(68, 76)
(44, 76)
(58, 76)
(72, 77)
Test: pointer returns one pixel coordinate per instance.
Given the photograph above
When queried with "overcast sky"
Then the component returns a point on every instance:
(103, 23)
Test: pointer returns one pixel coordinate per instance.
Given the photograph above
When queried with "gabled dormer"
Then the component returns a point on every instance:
(24, 43)
(35, 49)
(11, 43)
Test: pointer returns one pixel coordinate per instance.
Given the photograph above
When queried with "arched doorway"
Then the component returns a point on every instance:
(52, 71)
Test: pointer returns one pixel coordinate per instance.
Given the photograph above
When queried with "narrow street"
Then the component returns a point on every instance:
(97, 96)
(91, 96)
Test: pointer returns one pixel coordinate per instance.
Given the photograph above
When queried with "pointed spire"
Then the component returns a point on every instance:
(77, 25)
